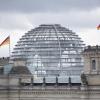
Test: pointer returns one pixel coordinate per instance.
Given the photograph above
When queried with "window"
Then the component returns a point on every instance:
(93, 64)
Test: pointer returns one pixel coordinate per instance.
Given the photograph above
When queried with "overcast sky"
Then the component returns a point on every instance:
(19, 16)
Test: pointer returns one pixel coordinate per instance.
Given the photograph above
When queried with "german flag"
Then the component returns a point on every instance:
(98, 27)
(6, 41)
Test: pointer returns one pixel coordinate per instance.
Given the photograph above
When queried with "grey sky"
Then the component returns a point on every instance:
(19, 16)
(30, 6)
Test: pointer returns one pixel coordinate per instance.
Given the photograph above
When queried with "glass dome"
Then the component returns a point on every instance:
(51, 50)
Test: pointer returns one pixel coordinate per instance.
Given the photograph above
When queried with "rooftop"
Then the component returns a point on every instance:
(92, 48)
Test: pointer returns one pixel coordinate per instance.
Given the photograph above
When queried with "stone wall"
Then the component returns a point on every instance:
(11, 89)
(22, 87)
(49, 93)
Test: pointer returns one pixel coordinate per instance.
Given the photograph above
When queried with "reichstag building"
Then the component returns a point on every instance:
(51, 62)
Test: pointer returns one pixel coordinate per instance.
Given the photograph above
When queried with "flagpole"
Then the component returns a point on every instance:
(9, 46)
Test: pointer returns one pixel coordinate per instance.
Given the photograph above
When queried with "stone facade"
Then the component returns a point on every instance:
(92, 64)
(11, 88)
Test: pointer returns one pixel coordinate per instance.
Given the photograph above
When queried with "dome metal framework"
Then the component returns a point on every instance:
(51, 50)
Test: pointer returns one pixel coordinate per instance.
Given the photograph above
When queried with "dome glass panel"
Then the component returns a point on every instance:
(51, 50)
